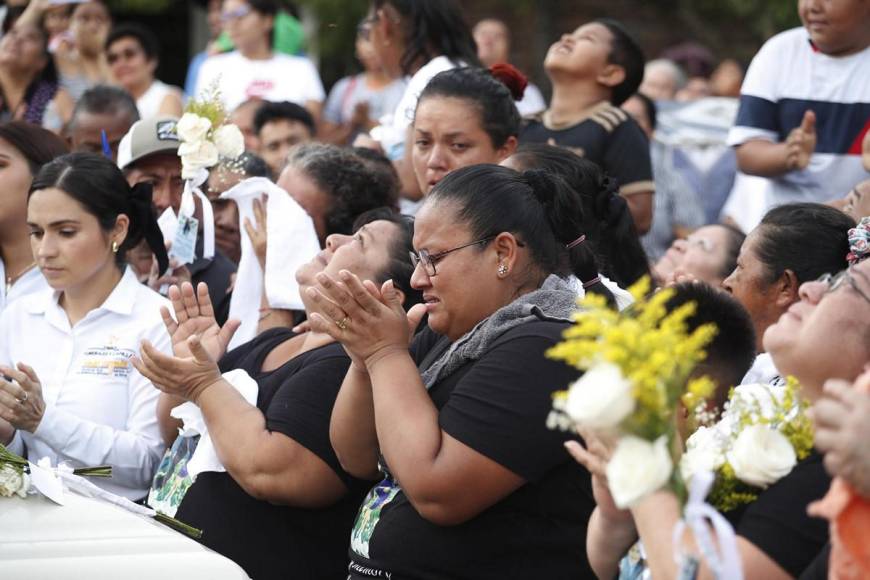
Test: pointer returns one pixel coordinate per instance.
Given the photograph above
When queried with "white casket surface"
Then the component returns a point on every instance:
(90, 539)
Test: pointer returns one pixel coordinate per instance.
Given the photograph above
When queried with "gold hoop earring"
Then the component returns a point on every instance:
(114, 247)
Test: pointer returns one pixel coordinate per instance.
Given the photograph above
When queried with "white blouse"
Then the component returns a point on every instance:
(99, 409)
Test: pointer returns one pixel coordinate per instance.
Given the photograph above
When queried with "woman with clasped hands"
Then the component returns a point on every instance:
(474, 485)
(284, 505)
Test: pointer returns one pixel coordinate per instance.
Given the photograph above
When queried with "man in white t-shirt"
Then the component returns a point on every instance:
(253, 70)
(805, 105)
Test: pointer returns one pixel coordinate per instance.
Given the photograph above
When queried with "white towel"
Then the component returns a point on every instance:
(292, 243)
(205, 457)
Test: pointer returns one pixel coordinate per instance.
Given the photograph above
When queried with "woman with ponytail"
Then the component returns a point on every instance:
(473, 483)
(68, 391)
(607, 220)
(465, 116)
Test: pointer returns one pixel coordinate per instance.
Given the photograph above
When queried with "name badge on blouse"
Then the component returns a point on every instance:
(107, 361)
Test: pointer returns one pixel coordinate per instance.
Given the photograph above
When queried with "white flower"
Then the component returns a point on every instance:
(13, 482)
(704, 452)
(229, 141)
(195, 156)
(192, 128)
(637, 468)
(761, 456)
(601, 398)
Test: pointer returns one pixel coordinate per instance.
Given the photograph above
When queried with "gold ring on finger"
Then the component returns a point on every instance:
(343, 323)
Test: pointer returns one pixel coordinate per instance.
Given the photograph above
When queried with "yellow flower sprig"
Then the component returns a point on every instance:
(653, 349)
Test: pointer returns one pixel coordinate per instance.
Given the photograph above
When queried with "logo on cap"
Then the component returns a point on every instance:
(166, 131)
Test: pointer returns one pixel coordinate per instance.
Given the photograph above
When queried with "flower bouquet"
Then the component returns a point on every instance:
(637, 367)
(763, 433)
(206, 139)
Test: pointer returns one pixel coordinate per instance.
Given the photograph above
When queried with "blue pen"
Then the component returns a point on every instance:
(107, 151)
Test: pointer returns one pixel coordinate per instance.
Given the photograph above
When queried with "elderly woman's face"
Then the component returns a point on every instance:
(750, 284)
(366, 253)
(825, 334)
(465, 287)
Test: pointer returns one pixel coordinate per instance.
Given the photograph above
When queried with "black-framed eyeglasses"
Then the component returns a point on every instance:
(834, 281)
(429, 260)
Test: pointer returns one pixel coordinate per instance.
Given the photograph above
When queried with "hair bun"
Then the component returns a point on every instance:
(542, 185)
(511, 77)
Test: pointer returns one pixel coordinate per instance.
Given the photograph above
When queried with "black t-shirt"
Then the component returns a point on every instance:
(777, 522)
(267, 540)
(498, 406)
(610, 138)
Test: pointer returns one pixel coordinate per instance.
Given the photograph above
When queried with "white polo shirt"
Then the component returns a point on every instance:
(30, 282)
(99, 409)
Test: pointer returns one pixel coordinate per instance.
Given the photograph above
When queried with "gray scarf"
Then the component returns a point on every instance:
(554, 300)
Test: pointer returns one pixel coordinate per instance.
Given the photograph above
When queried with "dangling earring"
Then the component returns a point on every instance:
(114, 247)
(502, 270)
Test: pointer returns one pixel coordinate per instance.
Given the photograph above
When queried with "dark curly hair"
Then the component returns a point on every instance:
(343, 176)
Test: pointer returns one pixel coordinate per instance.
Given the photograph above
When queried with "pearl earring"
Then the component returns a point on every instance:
(502, 270)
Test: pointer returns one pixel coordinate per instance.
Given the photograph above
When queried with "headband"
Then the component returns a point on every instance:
(859, 242)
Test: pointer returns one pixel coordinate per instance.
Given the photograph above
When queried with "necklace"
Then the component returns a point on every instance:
(10, 280)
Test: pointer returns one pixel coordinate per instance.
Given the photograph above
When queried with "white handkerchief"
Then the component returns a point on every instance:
(205, 457)
(292, 242)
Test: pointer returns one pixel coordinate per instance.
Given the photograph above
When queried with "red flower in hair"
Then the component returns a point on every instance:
(511, 77)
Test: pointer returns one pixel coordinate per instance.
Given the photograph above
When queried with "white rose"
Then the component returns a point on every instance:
(637, 468)
(601, 398)
(192, 128)
(195, 156)
(761, 456)
(12, 482)
(704, 452)
(229, 141)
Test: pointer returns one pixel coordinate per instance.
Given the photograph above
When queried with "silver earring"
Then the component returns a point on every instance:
(502, 270)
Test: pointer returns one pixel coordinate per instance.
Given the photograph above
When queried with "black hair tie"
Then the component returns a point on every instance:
(140, 200)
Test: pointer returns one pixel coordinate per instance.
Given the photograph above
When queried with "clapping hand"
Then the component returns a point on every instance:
(842, 430)
(194, 316)
(257, 233)
(368, 321)
(183, 377)
(594, 457)
(801, 143)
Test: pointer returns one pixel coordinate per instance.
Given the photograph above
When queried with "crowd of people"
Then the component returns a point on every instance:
(393, 423)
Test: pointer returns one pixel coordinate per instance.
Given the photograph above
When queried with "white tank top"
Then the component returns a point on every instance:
(149, 103)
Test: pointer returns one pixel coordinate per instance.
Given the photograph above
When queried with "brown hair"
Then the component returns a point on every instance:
(37, 145)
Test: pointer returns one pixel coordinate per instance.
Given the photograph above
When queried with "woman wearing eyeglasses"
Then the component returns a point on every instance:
(473, 483)
(254, 70)
(132, 53)
(794, 243)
